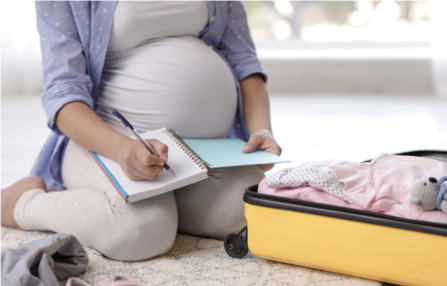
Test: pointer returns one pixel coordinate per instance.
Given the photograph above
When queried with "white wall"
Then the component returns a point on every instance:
(20, 50)
(439, 42)
(349, 68)
(309, 73)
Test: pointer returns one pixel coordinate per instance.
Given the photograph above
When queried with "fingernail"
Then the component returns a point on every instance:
(165, 157)
(161, 163)
(247, 147)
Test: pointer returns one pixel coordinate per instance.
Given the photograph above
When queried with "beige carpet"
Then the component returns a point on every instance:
(196, 261)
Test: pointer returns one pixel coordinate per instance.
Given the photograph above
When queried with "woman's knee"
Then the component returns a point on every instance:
(248, 175)
(231, 210)
(215, 207)
(141, 230)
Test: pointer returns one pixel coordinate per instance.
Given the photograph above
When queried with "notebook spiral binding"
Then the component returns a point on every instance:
(185, 148)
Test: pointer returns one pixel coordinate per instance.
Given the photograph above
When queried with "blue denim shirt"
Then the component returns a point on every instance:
(74, 36)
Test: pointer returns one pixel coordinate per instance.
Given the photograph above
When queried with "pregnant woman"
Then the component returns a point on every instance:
(189, 66)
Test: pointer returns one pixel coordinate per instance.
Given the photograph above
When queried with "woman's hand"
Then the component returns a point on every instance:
(137, 162)
(257, 116)
(263, 140)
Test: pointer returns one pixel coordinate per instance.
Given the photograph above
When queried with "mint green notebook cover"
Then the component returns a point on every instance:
(221, 153)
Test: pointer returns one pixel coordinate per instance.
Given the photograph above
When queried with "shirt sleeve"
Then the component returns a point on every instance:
(237, 45)
(65, 69)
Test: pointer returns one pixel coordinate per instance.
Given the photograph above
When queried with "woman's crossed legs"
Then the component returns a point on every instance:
(91, 210)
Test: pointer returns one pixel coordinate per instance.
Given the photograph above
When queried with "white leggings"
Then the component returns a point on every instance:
(91, 210)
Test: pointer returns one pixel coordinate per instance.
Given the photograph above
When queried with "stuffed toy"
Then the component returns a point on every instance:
(429, 194)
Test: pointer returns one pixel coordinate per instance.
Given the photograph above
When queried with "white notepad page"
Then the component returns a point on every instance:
(186, 171)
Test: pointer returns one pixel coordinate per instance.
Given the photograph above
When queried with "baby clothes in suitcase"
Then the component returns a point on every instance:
(349, 241)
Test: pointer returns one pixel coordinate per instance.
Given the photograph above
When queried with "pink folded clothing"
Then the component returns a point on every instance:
(310, 174)
(309, 194)
(384, 184)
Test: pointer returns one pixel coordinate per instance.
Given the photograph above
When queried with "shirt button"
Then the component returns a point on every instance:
(238, 125)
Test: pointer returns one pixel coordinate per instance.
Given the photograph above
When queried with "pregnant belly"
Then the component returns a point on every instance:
(175, 82)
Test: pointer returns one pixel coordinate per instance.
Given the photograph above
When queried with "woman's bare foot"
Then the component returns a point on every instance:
(11, 195)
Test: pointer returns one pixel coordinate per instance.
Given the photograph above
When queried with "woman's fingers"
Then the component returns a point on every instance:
(149, 172)
(255, 141)
(136, 175)
(160, 148)
(147, 164)
(262, 141)
(274, 149)
(266, 166)
(145, 158)
(139, 164)
(136, 170)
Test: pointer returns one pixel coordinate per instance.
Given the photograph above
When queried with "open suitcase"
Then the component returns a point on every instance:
(353, 242)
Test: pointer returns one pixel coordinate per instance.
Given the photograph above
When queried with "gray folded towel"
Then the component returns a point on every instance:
(44, 261)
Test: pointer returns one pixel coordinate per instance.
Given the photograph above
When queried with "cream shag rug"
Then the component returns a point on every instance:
(196, 261)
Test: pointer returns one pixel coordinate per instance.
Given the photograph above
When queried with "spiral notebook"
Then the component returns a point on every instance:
(191, 159)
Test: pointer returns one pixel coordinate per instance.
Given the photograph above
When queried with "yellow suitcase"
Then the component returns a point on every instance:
(353, 242)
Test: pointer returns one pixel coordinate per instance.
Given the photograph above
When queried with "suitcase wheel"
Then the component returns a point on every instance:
(236, 244)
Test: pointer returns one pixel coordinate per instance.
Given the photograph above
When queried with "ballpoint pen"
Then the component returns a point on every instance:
(134, 131)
